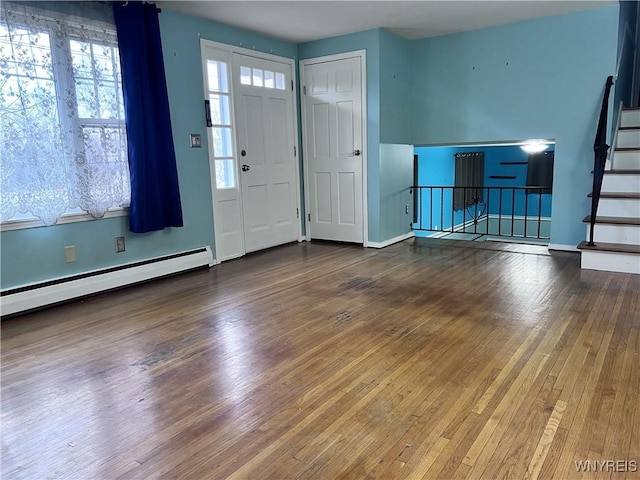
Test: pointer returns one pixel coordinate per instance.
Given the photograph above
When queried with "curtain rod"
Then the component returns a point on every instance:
(126, 2)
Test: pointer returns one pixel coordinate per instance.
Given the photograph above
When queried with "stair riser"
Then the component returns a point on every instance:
(620, 183)
(628, 139)
(629, 234)
(611, 261)
(619, 207)
(626, 160)
(630, 118)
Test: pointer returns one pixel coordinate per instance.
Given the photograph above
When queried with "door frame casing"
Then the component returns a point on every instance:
(362, 54)
(230, 50)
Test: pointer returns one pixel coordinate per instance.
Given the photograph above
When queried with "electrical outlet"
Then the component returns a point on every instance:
(70, 253)
(119, 244)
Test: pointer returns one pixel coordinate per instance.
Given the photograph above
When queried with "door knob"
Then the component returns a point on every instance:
(243, 153)
(356, 153)
(245, 168)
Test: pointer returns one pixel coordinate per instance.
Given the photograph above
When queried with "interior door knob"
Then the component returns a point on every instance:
(245, 168)
(356, 153)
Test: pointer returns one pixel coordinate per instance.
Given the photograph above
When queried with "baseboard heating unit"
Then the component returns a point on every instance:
(37, 295)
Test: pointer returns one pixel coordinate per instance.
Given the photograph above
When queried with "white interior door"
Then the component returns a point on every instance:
(266, 145)
(227, 208)
(334, 148)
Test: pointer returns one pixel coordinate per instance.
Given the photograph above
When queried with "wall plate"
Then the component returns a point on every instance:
(70, 253)
(119, 244)
(195, 140)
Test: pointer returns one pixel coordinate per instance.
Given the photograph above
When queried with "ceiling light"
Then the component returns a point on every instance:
(534, 146)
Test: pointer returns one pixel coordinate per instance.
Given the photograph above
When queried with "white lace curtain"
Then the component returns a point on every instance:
(61, 111)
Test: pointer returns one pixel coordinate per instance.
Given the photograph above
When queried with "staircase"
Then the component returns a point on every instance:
(617, 228)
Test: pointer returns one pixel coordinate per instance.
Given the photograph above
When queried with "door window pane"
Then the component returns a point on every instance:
(245, 75)
(280, 81)
(225, 177)
(257, 77)
(222, 144)
(219, 105)
(269, 81)
(217, 76)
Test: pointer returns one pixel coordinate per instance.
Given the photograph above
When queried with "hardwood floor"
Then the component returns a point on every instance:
(427, 359)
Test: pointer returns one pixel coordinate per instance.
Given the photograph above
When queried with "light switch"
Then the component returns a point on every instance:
(196, 140)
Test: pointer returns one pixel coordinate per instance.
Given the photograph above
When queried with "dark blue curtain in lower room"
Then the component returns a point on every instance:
(155, 194)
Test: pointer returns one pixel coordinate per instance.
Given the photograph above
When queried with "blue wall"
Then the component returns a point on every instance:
(396, 201)
(535, 79)
(396, 153)
(436, 166)
(395, 89)
(512, 202)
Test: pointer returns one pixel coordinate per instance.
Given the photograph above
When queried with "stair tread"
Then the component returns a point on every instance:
(630, 109)
(610, 247)
(630, 195)
(629, 128)
(614, 220)
(621, 171)
(627, 149)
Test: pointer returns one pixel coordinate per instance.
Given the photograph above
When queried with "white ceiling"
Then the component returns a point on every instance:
(300, 21)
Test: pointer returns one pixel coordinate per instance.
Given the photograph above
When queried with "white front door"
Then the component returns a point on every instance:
(334, 148)
(266, 148)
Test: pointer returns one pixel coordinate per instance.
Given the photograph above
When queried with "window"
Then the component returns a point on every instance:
(62, 123)
(262, 78)
(469, 172)
(222, 127)
(540, 172)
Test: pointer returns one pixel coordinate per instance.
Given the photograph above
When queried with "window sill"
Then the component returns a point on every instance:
(65, 218)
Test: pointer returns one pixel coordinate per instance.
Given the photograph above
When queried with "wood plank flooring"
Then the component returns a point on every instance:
(430, 359)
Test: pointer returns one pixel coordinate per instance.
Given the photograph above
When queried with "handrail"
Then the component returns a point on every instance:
(600, 149)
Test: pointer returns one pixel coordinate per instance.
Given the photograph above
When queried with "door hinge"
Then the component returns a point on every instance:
(297, 213)
(304, 90)
(295, 152)
(292, 85)
(308, 216)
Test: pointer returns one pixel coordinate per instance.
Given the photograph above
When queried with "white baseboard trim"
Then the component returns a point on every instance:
(36, 295)
(530, 218)
(461, 227)
(562, 247)
(391, 241)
